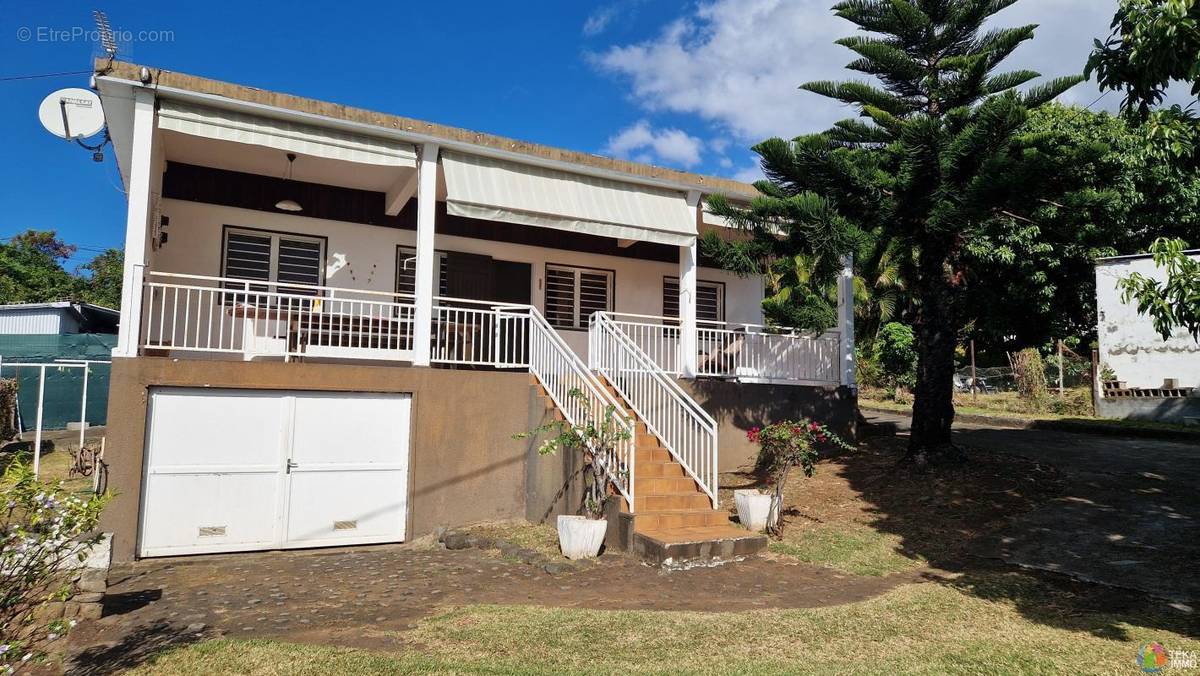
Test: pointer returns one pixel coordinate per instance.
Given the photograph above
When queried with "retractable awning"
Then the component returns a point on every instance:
(498, 190)
(301, 139)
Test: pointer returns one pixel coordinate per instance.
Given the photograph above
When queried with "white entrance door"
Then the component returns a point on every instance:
(237, 470)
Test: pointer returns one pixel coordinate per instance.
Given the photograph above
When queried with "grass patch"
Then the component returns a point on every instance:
(848, 547)
(998, 623)
(540, 537)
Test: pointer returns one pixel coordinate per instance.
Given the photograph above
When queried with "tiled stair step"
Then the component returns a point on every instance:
(648, 470)
(666, 485)
(679, 518)
(657, 503)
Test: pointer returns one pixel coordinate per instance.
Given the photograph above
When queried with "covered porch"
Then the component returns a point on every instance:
(371, 249)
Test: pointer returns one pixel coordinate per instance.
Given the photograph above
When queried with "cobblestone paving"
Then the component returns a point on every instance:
(366, 597)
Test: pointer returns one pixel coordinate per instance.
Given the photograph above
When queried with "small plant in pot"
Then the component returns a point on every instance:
(581, 536)
(783, 446)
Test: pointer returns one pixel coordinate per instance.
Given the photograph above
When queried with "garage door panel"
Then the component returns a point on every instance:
(192, 513)
(218, 476)
(350, 428)
(370, 507)
(222, 428)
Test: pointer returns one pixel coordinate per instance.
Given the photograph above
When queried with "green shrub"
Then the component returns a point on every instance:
(896, 355)
(43, 527)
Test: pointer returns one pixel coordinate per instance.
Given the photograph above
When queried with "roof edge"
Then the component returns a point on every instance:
(252, 95)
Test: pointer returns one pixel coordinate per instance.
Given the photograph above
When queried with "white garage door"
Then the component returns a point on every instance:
(237, 470)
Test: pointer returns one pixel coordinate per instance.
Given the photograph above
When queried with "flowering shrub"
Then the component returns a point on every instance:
(784, 446)
(42, 528)
(597, 436)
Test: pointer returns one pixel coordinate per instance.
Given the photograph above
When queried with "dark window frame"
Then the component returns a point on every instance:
(612, 292)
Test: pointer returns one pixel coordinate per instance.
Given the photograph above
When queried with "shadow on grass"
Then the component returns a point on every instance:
(1105, 531)
(135, 648)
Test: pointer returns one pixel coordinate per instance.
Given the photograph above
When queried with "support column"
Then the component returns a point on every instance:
(849, 375)
(688, 262)
(426, 270)
(137, 221)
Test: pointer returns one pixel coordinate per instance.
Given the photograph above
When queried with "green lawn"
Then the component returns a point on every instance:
(1000, 623)
(850, 548)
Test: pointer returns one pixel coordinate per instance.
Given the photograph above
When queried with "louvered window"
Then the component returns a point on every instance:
(573, 294)
(710, 300)
(406, 273)
(274, 257)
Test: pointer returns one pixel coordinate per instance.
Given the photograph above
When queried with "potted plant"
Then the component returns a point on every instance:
(580, 536)
(783, 446)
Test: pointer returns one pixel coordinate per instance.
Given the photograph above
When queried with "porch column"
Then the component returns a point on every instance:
(688, 262)
(849, 376)
(426, 270)
(137, 221)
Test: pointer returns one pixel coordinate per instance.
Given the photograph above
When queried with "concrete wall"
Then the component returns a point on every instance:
(739, 406)
(1129, 345)
(464, 465)
(1179, 410)
(369, 252)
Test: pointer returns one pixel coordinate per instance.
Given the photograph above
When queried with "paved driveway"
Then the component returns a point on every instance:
(1130, 516)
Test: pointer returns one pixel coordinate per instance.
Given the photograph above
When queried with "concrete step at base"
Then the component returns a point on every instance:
(705, 543)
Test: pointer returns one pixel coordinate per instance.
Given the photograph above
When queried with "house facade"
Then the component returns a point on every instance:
(334, 321)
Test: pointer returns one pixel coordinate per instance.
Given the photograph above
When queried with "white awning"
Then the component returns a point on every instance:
(497, 190)
(296, 138)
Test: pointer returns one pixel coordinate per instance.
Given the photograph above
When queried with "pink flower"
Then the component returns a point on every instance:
(813, 427)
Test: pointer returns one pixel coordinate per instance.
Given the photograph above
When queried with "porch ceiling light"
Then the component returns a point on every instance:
(287, 204)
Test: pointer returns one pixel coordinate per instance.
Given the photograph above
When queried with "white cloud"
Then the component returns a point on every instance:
(643, 143)
(598, 20)
(749, 174)
(736, 64)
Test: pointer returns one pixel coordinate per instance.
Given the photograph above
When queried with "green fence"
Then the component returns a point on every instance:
(64, 386)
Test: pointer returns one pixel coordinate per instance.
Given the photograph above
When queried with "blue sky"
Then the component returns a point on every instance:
(679, 83)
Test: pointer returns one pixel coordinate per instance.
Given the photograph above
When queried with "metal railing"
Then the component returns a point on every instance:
(748, 352)
(563, 374)
(687, 431)
(194, 313)
(252, 319)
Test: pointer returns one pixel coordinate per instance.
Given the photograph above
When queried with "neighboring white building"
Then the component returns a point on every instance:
(1129, 345)
(56, 319)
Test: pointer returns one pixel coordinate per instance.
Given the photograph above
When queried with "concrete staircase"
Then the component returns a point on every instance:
(673, 521)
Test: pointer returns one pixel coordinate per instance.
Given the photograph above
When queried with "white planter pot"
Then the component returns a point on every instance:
(753, 508)
(580, 537)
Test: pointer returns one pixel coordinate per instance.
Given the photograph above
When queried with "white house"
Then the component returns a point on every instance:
(335, 320)
(1160, 377)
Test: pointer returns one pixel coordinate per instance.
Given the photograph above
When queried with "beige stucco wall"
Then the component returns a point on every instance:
(464, 464)
(195, 243)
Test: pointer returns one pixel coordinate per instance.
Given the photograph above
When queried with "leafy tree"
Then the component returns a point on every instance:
(31, 269)
(1117, 197)
(1153, 43)
(934, 163)
(1175, 303)
(106, 272)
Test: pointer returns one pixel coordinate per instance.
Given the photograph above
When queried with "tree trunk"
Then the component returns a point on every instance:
(937, 336)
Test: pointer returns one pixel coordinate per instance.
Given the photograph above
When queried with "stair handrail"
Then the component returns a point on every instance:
(548, 349)
(695, 448)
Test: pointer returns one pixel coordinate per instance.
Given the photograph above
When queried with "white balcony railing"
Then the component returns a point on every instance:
(262, 320)
(748, 352)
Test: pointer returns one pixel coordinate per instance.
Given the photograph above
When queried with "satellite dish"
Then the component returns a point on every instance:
(72, 113)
